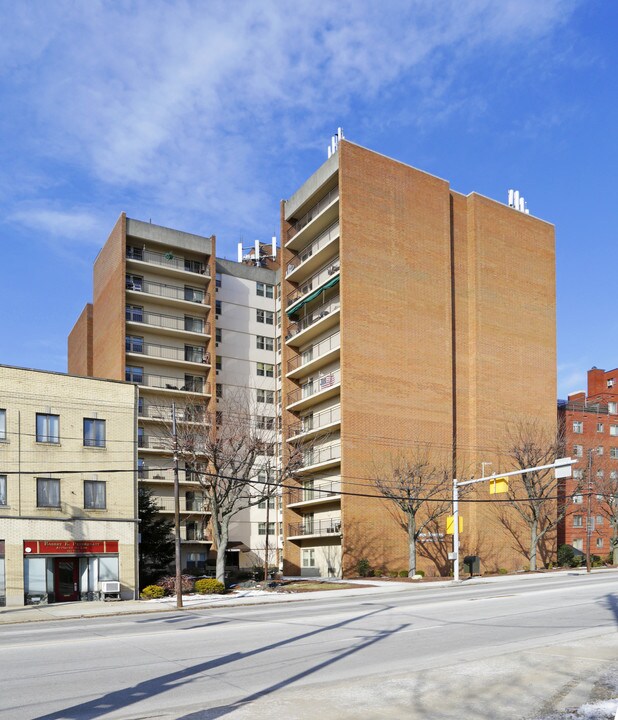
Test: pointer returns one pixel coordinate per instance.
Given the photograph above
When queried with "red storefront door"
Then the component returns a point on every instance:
(65, 579)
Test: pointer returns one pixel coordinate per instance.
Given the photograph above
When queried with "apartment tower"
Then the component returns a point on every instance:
(413, 316)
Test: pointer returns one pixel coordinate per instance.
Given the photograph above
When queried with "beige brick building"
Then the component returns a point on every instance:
(412, 314)
(68, 506)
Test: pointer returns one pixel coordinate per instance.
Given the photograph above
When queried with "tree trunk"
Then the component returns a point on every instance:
(221, 551)
(534, 539)
(615, 546)
(412, 545)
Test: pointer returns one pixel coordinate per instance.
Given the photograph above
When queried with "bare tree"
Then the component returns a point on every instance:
(533, 494)
(420, 490)
(606, 488)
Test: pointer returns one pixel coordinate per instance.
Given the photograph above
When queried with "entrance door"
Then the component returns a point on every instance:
(65, 579)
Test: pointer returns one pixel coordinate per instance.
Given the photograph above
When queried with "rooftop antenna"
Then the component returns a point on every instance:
(517, 202)
(334, 142)
(273, 246)
(240, 252)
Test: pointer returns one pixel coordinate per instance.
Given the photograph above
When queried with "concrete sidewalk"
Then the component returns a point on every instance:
(75, 610)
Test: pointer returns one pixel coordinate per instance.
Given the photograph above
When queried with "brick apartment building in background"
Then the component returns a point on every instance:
(590, 422)
(412, 315)
(186, 329)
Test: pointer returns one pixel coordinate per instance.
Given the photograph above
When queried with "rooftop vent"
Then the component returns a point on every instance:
(517, 202)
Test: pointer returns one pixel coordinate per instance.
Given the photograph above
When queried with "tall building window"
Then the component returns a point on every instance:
(578, 499)
(195, 325)
(265, 396)
(613, 453)
(218, 335)
(266, 422)
(578, 520)
(600, 450)
(134, 282)
(134, 374)
(134, 313)
(218, 280)
(265, 370)
(218, 362)
(612, 408)
(578, 426)
(219, 390)
(271, 504)
(600, 542)
(47, 428)
(218, 307)
(578, 450)
(613, 430)
(94, 432)
(264, 290)
(134, 344)
(265, 316)
(308, 557)
(3, 500)
(262, 528)
(599, 427)
(2, 425)
(47, 492)
(578, 474)
(95, 495)
(264, 343)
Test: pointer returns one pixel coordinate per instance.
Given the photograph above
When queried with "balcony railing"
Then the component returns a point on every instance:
(167, 352)
(324, 382)
(323, 310)
(313, 247)
(164, 382)
(330, 526)
(173, 292)
(316, 210)
(168, 260)
(322, 276)
(315, 422)
(186, 505)
(171, 322)
(165, 474)
(316, 351)
(163, 412)
(317, 455)
(318, 492)
(154, 442)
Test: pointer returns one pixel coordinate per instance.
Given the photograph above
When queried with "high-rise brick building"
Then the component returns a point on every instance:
(411, 314)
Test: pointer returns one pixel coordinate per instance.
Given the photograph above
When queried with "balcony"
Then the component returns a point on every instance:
(324, 457)
(314, 528)
(163, 413)
(314, 391)
(155, 442)
(190, 534)
(318, 218)
(315, 357)
(313, 255)
(165, 475)
(168, 324)
(315, 322)
(315, 424)
(168, 353)
(170, 262)
(195, 385)
(168, 292)
(195, 505)
(323, 279)
(320, 494)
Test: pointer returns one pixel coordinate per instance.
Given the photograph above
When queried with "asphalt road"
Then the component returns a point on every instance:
(513, 650)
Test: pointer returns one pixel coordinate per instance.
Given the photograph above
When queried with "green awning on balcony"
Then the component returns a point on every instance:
(312, 296)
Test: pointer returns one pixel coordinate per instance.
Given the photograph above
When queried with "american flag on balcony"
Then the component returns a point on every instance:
(327, 381)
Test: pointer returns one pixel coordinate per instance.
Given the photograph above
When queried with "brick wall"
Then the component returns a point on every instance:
(80, 344)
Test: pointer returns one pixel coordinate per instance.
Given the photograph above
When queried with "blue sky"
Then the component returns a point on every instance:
(202, 115)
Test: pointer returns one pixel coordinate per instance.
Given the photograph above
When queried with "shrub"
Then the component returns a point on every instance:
(420, 572)
(152, 592)
(596, 561)
(565, 555)
(363, 568)
(503, 571)
(209, 586)
(168, 583)
(576, 561)
(403, 573)
(393, 573)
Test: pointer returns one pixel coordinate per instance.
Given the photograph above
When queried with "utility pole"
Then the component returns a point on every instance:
(589, 514)
(266, 544)
(177, 513)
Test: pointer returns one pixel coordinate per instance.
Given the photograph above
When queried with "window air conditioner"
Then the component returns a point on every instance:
(110, 588)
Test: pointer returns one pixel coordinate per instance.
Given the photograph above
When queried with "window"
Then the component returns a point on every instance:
(578, 499)
(599, 427)
(265, 422)
(264, 343)
(142, 472)
(217, 307)
(612, 408)
(265, 316)
(134, 374)
(613, 453)
(94, 433)
(218, 334)
(196, 561)
(578, 520)
(592, 523)
(262, 528)
(278, 344)
(264, 290)
(194, 354)
(219, 390)
(578, 544)
(47, 428)
(195, 266)
(134, 282)
(578, 474)
(47, 492)
(611, 382)
(3, 490)
(600, 474)
(195, 325)
(194, 294)
(578, 426)
(599, 542)
(95, 495)
(218, 362)
(613, 475)
(2, 425)
(134, 344)
(278, 371)
(218, 280)
(135, 253)
(600, 450)
(613, 430)
(271, 504)
(599, 520)
(265, 370)
(578, 450)
(308, 557)
(266, 396)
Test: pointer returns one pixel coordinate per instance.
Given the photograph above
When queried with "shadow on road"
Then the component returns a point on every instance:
(156, 686)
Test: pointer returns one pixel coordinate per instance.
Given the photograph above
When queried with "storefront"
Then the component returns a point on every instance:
(68, 570)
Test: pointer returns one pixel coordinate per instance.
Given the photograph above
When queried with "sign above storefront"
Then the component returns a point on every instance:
(70, 547)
